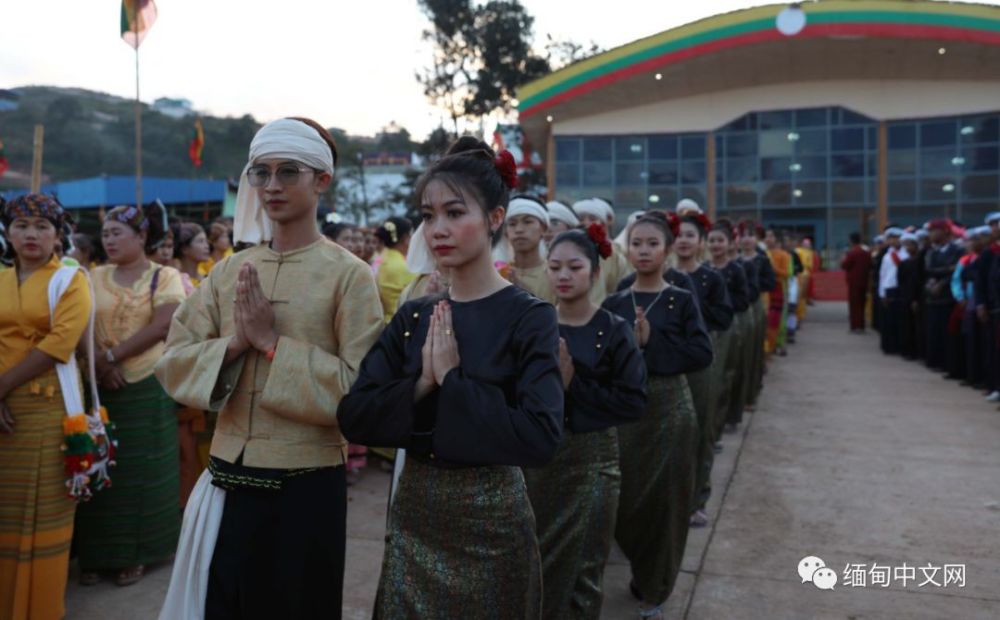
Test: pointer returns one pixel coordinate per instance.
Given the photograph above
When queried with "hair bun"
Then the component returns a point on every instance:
(470, 144)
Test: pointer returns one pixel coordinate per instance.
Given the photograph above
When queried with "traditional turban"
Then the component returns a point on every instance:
(560, 212)
(35, 205)
(281, 139)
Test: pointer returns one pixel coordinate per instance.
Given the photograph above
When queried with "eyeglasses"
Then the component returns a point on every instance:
(287, 174)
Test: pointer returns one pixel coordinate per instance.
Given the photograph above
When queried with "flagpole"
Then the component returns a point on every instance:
(138, 114)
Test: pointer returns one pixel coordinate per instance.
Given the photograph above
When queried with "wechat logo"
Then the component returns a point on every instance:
(814, 570)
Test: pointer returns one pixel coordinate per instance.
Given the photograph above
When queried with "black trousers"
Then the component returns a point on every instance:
(892, 319)
(936, 318)
(280, 554)
(976, 339)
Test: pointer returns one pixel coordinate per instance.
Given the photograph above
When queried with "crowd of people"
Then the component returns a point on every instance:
(935, 297)
(537, 388)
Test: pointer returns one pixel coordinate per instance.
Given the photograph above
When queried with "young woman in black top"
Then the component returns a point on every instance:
(575, 497)
(468, 381)
(658, 451)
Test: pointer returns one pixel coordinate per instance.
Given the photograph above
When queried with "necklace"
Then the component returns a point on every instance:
(653, 303)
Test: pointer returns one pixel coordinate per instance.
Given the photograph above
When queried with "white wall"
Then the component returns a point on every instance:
(879, 99)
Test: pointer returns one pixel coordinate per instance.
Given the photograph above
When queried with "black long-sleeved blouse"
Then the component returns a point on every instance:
(678, 340)
(609, 374)
(674, 277)
(766, 278)
(713, 298)
(503, 404)
(736, 284)
(750, 269)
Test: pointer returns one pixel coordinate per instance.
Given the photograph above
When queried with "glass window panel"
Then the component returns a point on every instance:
(847, 192)
(695, 193)
(980, 129)
(937, 133)
(663, 172)
(693, 172)
(902, 136)
(847, 165)
(628, 200)
(851, 117)
(902, 191)
(567, 175)
(809, 168)
(812, 142)
(693, 147)
(775, 120)
(720, 146)
(596, 174)
(848, 139)
(938, 161)
(938, 189)
(741, 195)
(662, 147)
(776, 193)
(662, 196)
(871, 136)
(567, 150)
(815, 117)
(741, 144)
(741, 169)
(775, 168)
(981, 187)
(597, 149)
(810, 193)
(630, 173)
(902, 163)
(630, 148)
(872, 167)
(776, 142)
(981, 158)
(739, 124)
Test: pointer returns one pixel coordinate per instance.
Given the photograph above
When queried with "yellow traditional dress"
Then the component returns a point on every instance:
(393, 276)
(807, 256)
(535, 280)
(36, 515)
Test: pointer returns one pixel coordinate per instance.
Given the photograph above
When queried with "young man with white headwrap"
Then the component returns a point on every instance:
(272, 339)
(615, 267)
(525, 224)
(561, 219)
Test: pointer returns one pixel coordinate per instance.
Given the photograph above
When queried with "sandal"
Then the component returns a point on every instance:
(90, 578)
(655, 613)
(699, 518)
(131, 575)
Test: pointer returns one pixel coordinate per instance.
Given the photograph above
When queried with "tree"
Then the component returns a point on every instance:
(561, 53)
(481, 55)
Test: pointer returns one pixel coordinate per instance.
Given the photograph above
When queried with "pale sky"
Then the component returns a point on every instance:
(348, 64)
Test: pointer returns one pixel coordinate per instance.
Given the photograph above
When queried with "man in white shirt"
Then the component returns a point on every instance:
(888, 292)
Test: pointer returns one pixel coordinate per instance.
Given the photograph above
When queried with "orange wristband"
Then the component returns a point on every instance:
(270, 354)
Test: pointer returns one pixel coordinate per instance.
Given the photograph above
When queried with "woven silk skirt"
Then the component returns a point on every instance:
(737, 371)
(657, 492)
(36, 514)
(136, 520)
(460, 544)
(575, 500)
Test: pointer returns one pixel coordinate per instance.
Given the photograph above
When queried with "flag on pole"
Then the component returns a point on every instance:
(138, 16)
(3, 160)
(197, 144)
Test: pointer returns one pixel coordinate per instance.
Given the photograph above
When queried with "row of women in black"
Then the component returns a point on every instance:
(485, 379)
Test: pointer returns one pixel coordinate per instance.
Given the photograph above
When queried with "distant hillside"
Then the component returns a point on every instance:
(89, 133)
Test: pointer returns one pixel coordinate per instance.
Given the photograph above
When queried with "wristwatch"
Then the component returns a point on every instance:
(108, 355)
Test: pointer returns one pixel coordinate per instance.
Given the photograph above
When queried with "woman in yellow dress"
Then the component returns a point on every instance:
(136, 522)
(36, 514)
(393, 276)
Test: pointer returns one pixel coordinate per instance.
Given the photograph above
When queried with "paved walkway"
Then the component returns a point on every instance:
(852, 457)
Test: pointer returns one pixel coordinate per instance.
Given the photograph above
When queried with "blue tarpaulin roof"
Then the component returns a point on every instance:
(108, 191)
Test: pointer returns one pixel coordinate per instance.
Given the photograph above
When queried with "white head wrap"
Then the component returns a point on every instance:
(992, 217)
(526, 206)
(687, 206)
(894, 232)
(560, 212)
(281, 139)
(879, 239)
(908, 237)
(622, 238)
(419, 258)
(594, 207)
(922, 234)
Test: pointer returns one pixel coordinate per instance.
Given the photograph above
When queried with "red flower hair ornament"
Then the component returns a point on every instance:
(599, 236)
(703, 221)
(507, 168)
(674, 222)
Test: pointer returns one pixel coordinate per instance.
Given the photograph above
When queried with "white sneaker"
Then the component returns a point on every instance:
(993, 397)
